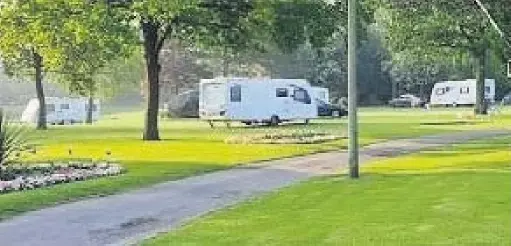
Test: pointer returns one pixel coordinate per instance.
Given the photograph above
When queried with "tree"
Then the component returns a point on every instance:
(162, 20)
(446, 25)
(229, 28)
(47, 36)
(93, 41)
(182, 68)
(23, 44)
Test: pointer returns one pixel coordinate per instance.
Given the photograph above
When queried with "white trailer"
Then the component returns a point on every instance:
(460, 92)
(61, 110)
(256, 100)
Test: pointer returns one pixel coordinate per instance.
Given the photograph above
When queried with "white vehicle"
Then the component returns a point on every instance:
(460, 92)
(321, 93)
(256, 100)
(61, 110)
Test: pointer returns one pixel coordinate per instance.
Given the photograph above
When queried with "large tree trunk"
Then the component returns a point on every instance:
(38, 66)
(421, 90)
(150, 31)
(395, 89)
(225, 63)
(90, 109)
(481, 106)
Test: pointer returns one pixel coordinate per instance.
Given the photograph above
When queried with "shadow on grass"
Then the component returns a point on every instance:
(449, 123)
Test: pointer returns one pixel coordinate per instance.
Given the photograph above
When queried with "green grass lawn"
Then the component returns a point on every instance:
(458, 195)
(190, 147)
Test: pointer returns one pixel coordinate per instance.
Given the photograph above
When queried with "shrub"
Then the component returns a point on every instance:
(13, 140)
(18, 177)
(284, 137)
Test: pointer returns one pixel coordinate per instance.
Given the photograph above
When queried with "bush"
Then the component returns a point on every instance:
(19, 177)
(284, 137)
(13, 140)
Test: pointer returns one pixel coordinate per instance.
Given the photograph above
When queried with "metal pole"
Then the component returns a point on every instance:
(352, 89)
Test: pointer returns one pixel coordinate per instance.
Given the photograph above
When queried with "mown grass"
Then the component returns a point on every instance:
(190, 147)
(455, 196)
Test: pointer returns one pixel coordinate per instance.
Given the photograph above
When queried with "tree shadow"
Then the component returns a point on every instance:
(449, 123)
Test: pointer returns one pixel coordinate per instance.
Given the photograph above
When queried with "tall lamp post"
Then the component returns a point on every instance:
(352, 90)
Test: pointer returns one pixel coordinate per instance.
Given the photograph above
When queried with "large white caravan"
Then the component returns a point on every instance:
(460, 92)
(256, 100)
(61, 110)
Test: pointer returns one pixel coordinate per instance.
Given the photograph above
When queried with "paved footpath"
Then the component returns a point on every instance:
(129, 217)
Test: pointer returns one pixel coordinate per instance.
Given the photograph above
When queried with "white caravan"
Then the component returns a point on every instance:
(460, 92)
(61, 110)
(322, 94)
(256, 100)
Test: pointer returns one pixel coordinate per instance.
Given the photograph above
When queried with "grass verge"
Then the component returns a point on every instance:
(455, 196)
(190, 147)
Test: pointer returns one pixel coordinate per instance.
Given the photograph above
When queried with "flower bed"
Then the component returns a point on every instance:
(281, 137)
(27, 177)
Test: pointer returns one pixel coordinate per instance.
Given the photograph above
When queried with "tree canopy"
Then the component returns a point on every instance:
(445, 27)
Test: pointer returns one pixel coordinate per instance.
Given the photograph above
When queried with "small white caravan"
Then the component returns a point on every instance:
(61, 110)
(256, 100)
(460, 92)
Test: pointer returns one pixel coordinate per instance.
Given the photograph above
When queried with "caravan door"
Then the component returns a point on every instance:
(284, 102)
(52, 116)
(467, 92)
(213, 99)
(303, 104)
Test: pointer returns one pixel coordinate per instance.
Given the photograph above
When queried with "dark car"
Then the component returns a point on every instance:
(407, 101)
(326, 109)
(183, 105)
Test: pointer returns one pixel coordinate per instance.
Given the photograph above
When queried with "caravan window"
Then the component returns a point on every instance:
(282, 92)
(487, 89)
(64, 106)
(302, 96)
(464, 90)
(50, 108)
(440, 91)
(236, 93)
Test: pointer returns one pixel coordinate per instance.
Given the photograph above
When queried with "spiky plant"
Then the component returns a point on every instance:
(13, 140)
